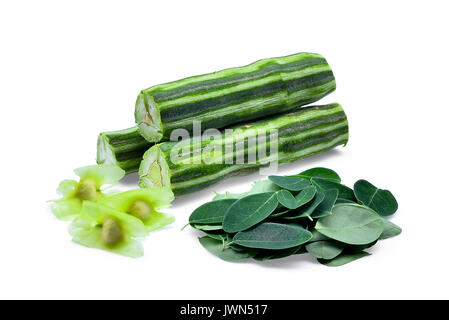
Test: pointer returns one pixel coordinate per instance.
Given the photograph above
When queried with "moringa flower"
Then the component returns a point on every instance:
(92, 178)
(144, 205)
(102, 227)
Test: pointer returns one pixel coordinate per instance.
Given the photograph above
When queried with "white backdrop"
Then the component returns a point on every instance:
(70, 69)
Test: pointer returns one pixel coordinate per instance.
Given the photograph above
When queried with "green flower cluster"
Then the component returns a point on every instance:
(110, 220)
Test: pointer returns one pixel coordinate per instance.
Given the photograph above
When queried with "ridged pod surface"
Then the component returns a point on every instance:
(301, 133)
(223, 98)
(124, 148)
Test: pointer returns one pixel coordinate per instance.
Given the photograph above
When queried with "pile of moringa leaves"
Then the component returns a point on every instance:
(311, 212)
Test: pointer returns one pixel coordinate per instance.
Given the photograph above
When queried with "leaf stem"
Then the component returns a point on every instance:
(185, 226)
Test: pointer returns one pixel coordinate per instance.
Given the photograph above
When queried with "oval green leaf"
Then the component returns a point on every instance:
(344, 192)
(308, 209)
(291, 183)
(269, 235)
(351, 224)
(390, 230)
(217, 236)
(381, 201)
(211, 212)
(286, 198)
(305, 196)
(323, 173)
(285, 253)
(325, 249)
(359, 248)
(248, 211)
(340, 200)
(264, 255)
(217, 248)
(325, 207)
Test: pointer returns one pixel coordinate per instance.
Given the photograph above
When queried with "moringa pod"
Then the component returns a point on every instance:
(123, 148)
(301, 133)
(219, 99)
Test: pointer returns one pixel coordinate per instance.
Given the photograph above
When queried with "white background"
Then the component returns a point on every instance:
(70, 69)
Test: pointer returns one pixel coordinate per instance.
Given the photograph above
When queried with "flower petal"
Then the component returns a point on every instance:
(157, 198)
(158, 220)
(66, 208)
(86, 229)
(67, 187)
(101, 174)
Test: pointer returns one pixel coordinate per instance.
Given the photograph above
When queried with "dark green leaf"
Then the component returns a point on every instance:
(290, 183)
(359, 248)
(248, 211)
(286, 198)
(308, 209)
(263, 255)
(390, 230)
(217, 248)
(285, 253)
(325, 249)
(325, 207)
(340, 200)
(270, 235)
(323, 173)
(305, 196)
(216, 236)
(351, 224)
(211, 212)
(344, 192)
(343, 259)
(381, 201)
(302, 250)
